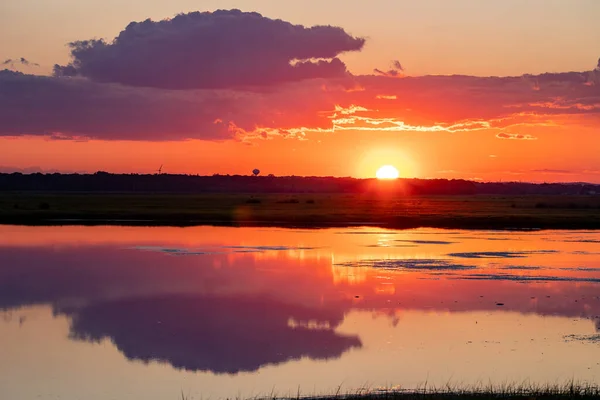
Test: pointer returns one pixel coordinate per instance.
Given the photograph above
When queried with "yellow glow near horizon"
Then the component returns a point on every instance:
(387, 172)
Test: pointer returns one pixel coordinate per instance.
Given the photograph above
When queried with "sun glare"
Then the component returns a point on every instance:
(387, 172)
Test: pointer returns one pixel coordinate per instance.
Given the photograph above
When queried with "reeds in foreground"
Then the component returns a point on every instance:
(529, 391)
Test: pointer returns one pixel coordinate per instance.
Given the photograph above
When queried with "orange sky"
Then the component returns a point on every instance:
(127, 117)
(353, 154)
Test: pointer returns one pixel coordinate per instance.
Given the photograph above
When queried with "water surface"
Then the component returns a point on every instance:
(129, 312)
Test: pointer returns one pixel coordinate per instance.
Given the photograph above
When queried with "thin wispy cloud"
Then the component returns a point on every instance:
(514, 136)
(396, 70)
(21, 61)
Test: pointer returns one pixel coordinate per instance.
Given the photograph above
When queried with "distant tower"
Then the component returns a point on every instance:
(256, 172)
(159, 171)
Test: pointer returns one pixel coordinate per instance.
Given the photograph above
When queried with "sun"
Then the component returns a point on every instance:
(387, 172)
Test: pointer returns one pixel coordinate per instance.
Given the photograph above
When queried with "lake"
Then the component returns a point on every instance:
(213, 312)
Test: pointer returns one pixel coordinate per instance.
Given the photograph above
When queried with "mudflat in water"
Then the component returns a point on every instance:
(213, 312)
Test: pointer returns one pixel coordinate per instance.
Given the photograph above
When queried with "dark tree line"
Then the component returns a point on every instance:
(163, 183)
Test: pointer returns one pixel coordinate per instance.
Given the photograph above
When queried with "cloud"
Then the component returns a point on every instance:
(232, 75)
(575, 105)
(386, 97)
(27, 62)
(64, 108)
(395, 72)
(26, 170)
(357, 118)
(76, 108)
(222, 49)
(12, 63)
(514, 136)
(553, 171)
(396, 64)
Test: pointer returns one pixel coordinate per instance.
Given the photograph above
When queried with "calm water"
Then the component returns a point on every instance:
(148, 313)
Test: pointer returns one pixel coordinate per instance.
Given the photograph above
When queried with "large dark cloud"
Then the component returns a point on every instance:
(64, 108)
(38, 105)
(72, 108)
(222, 49)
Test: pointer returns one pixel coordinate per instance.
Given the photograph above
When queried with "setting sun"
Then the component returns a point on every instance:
(387, 172)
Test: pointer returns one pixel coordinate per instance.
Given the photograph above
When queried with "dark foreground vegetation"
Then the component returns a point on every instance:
(191, 184)
(489, 392)
(302, 210)
(183, 200)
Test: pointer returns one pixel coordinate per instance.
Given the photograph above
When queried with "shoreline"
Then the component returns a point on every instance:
(475, 225)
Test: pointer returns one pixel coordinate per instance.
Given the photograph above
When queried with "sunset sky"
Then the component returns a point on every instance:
(490, 90)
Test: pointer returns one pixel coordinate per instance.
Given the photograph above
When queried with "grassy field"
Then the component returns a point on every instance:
(471, 212)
